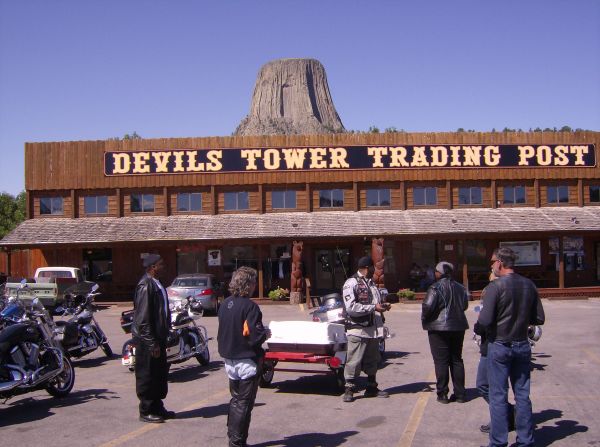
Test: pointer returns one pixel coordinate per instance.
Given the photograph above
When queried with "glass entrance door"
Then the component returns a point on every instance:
(332, 268)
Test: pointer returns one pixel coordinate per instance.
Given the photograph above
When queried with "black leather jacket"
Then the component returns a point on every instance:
(444, 307)
(511, 305)
(151, 320)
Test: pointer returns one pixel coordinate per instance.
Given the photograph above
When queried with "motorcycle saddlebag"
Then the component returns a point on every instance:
(127, 320)
(67, 333)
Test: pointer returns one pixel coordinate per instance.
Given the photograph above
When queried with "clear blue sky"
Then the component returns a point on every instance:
(91, 70)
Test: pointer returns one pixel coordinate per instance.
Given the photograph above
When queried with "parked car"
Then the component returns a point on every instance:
(202, 287)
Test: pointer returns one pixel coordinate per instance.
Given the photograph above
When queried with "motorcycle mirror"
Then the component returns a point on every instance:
(95, 287)
(37, 304)
(23, 282)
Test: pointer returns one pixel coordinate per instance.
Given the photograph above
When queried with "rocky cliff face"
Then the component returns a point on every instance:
(291, 96)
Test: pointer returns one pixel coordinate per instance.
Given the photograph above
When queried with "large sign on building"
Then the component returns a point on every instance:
(187, 161)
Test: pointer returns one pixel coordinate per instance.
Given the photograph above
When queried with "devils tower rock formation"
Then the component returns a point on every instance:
(291, 96)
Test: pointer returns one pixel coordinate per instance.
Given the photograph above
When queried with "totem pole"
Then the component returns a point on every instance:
(296, 277)
(378, 260)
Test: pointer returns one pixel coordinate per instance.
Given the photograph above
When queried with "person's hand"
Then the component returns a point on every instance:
(156, 352)
(382, 307)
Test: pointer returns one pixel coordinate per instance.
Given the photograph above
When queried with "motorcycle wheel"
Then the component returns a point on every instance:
(204, 357)
(62, 384)
(107, 350)
(128, 350)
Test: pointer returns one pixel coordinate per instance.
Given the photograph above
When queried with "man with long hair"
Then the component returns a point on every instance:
(240, 336)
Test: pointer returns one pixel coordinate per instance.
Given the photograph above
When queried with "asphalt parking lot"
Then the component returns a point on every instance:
(304, 409)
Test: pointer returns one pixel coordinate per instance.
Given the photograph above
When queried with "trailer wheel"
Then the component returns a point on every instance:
(266, 376)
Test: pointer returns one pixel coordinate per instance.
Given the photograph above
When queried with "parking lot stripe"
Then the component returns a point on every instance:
(592, 355)
(416, 415)
(149, 427)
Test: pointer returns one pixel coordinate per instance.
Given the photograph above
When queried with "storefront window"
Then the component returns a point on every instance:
(51, 205)
(477, 256)
(191, 260)
(97, 264)
(238, 256)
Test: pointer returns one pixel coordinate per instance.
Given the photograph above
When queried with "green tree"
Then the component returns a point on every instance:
(373, 129)
(12, 212)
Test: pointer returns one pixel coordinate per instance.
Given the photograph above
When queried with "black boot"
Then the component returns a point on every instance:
(372, 390)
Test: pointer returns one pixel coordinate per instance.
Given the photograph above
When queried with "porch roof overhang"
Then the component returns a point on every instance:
(303, 225)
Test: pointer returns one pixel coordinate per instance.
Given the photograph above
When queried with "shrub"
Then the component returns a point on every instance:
(278, 294)
(406, 294)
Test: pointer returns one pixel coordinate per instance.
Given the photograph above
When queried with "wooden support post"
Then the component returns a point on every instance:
(465, 269)
(494, 194)
(449, 194)
(309, 205)
(580, 192)
(561, 264)
(74, 205)
(166, 201)
(119, 200)
(402, 195)
(261, 199)
(356, 196)
(214, 200)
(536, 188)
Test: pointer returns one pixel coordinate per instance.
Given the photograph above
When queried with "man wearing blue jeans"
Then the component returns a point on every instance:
(511, 305)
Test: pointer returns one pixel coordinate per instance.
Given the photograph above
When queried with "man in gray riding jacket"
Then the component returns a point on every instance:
(364, 324)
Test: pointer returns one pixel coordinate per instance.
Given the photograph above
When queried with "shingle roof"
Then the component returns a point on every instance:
(303, 225)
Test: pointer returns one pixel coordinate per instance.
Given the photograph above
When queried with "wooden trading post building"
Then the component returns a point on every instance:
(214, 204)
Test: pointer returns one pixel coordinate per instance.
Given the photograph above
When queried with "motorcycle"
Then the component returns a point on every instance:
(186, 339)
(332, 311)
(30, 356)
(81, 334)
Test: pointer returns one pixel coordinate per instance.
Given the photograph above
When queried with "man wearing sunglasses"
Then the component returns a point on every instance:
(512, 303)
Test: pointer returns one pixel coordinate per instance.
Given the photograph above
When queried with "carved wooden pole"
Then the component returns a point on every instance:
(296, 277)
(378, 261)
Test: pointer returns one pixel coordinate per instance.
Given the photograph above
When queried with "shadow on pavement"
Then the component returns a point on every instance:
(311, 440)
(93, 362)
(412, 388)
(209, 412)
(321, 384)
(548, 435)
(193, 372)
(32, 409)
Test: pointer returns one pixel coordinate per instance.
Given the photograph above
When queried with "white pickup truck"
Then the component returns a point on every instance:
(49, 285)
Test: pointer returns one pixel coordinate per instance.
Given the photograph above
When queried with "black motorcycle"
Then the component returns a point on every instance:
(30, 356)
(81, 334)
(186, 339)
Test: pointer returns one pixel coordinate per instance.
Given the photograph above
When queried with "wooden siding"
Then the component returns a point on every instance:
(80, 165)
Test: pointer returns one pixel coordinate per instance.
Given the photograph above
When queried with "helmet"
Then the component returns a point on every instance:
(534, 333)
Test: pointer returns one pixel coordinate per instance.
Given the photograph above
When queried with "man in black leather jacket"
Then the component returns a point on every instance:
(150, 330)
(511, 305)
(443, 317)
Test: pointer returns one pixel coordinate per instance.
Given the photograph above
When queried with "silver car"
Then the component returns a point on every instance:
(202, 287)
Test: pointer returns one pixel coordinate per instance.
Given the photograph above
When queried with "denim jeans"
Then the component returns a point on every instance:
(511, 361)
(481, 383)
